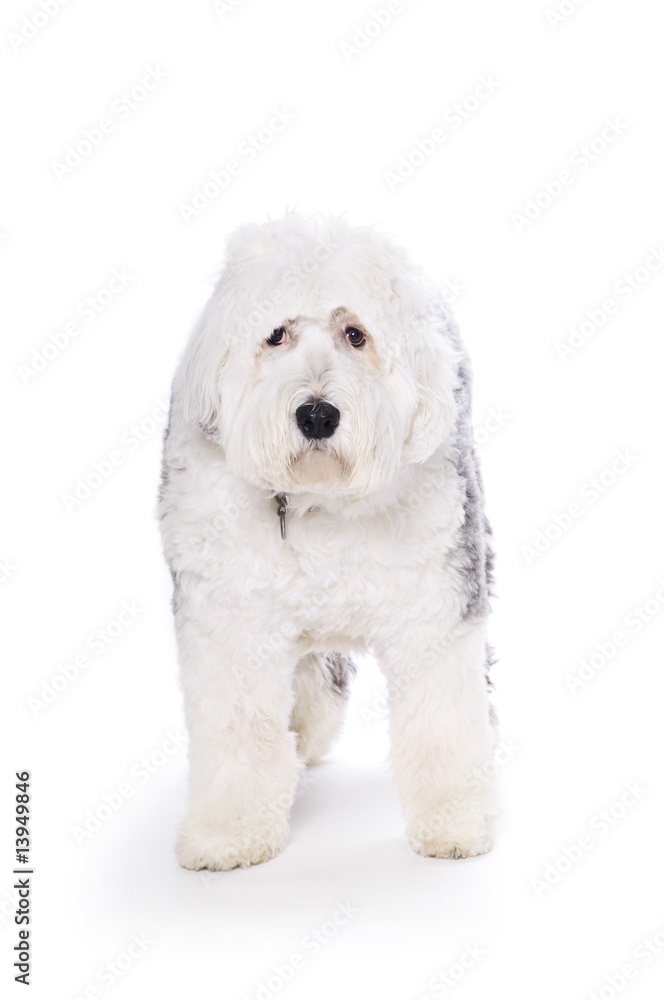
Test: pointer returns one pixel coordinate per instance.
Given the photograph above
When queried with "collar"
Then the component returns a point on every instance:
(282, 506)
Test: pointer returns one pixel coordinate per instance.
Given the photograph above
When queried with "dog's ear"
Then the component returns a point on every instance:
(198, 378)
(437, 355)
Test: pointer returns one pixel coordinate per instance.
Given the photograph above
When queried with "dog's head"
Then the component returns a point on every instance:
(324, 361)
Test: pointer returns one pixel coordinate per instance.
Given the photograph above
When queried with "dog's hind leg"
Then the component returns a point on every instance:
(321, 686)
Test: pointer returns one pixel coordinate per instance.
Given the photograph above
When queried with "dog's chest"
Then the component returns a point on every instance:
(342, 576)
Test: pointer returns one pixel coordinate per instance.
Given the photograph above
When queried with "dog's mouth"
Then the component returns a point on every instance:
(317, 466)
(323, 445)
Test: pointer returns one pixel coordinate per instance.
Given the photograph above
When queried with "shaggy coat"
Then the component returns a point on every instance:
(321, 495)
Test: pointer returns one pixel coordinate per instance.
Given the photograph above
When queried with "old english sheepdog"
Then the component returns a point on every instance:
(321, 495)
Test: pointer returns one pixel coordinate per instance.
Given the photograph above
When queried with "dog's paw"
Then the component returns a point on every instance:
(461, 828)
(467, 844)
(221, 849)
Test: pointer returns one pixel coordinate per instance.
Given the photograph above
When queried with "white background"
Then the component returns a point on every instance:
(562, 421)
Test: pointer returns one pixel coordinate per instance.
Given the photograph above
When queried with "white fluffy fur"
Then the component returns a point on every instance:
(373, 557)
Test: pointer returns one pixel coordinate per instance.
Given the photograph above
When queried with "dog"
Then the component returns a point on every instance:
(320, 495)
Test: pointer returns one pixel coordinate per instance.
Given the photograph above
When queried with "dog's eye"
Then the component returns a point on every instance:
(355, 337)
(278, 336)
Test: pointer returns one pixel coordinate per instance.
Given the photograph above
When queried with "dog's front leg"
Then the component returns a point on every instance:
(243, 768)
(442, 740)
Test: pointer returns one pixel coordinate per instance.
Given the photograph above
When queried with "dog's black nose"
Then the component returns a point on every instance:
(317, 420)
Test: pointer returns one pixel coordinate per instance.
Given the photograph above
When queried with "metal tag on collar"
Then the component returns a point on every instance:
(282, 507)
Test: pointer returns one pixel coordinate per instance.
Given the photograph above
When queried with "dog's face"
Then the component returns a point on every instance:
(323, 363)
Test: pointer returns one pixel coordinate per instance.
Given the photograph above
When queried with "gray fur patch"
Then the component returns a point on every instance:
(474, 539)
(340, 670)
(165, 471)
(489, 662)
(210, 429)
(177, 590)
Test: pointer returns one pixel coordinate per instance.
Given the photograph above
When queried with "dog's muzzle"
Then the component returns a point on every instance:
(317, 419)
